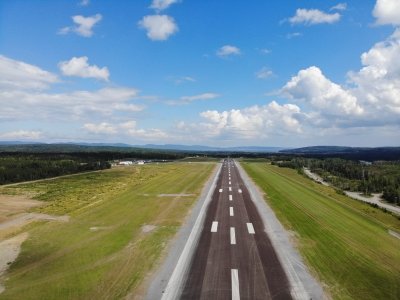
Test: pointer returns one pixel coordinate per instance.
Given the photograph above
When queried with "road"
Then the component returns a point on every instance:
(234, 258)
(374, 200)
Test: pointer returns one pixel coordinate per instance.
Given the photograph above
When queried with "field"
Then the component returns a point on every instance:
(344, 242)
(201, 159)
(118, 233)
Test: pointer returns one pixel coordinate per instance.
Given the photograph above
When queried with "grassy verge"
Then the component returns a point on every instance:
(344, 242)
(200, 159)
(102, 252)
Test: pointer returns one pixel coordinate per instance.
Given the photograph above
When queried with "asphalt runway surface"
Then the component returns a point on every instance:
(234, 258)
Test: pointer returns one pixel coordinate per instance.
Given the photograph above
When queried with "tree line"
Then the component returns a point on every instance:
(16, 169)
(378, 177)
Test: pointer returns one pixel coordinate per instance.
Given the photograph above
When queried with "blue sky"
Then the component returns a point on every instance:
(217, 73)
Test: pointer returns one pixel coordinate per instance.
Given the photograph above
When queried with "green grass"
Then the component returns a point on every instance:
(200, 159)
(344, 242)
(70, 261)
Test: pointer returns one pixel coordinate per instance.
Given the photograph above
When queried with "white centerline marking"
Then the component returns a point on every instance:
(240, 191)
(214, 227)
(250, 228)
(220, 190)
(231, 211)
(229, 178)
(230, 189)
(230, 197)
(233, 237)
(229, 182)
(235, 284)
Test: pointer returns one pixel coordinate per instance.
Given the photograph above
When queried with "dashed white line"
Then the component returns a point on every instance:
(231, 211)
(240, 191)
(230, 189)
(229, 182)
(230, 197)
(214, 227)
(233, 237)
(250, 228)
(235, 284)
(220, 190)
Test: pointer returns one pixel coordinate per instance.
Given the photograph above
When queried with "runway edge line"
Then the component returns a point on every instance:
(297, 289)
(174, 286)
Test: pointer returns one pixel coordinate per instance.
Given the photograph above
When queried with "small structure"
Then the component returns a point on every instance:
(125, 163)
(140, 162)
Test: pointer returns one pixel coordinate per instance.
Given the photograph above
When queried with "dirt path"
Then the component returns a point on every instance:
(9, 250)
(32, 181)
(315, 177)
(32, 216)
(376, 199)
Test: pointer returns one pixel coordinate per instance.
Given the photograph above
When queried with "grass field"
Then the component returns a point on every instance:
(102, 252)
(344, 242)
(200, 159)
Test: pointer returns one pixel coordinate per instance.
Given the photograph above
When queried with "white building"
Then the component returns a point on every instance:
(125, 163)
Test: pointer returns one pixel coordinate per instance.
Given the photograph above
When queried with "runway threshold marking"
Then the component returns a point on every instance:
(220, 190)
(240, 191)
(250, 228)
(233, 237)
(231, 211)
(230, 197)
(214, 227)
(235, 284)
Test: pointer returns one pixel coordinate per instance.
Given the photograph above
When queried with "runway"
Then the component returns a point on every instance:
(234, 258)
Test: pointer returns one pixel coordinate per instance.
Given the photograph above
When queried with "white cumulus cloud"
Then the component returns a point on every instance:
(228, 50)
(188, 99)
(22, 134)
(160, 5)
(84, 2)
(74, 106)
(22, 96)
(378, 83)
(159, 27)
(370, 100)
(340, 6)
(387, 12)
(125, 129)
(85, 25)
(313, 16)
(19, 75)
(78, 66)
(256, 122)
(264, 73)
(294, 34)
(313, 88)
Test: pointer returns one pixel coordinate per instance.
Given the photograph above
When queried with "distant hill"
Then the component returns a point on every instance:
(20, 143)
(207, 148)
(354, 153)
(337, 149)
(97, 144)
(321, 149)
(156, 147)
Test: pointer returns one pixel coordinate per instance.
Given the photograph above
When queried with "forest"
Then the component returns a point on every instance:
(30, 167)
(377, 177)
(39, 161)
